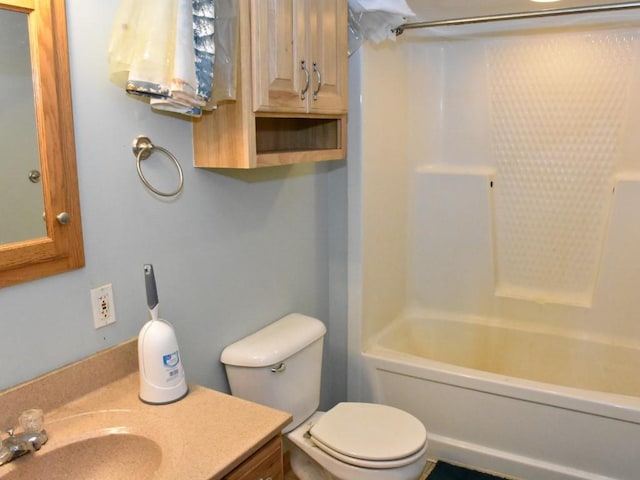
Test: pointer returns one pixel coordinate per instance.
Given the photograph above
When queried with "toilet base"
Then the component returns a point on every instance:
(309, 462)
(304, 467)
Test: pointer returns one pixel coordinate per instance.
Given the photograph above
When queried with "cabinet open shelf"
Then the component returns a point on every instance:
(294, 140)
(272, 141)
(294, 134)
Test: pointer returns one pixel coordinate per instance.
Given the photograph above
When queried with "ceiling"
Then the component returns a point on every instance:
(430, 10)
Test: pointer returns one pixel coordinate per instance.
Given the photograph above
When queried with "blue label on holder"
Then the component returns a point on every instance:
(170, 360)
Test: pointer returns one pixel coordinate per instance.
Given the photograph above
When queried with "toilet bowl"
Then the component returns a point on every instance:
(401, 455)
(280, 366)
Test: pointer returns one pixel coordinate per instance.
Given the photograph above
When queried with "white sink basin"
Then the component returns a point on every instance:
(104, 445)
(119, 456)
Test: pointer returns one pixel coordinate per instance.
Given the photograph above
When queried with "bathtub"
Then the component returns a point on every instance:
(533, 404)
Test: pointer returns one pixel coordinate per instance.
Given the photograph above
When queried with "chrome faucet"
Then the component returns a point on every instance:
(30, 440)
(15, 446)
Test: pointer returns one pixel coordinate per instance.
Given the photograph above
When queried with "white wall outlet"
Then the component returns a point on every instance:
(103, 307)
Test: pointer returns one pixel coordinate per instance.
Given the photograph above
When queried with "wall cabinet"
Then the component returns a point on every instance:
(297, 51)
(291, 100)
(265, 464)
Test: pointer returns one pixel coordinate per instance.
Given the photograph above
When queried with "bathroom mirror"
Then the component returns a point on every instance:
(41, 231)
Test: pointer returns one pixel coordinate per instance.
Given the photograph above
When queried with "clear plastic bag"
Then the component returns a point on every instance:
(226, 44)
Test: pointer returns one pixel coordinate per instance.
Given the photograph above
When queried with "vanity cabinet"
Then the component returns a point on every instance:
(265, 464)
(291, 96)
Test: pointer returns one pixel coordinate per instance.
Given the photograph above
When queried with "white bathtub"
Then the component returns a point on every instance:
(531, 404)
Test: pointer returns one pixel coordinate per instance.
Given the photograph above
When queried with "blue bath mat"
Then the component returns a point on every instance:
(446, 471)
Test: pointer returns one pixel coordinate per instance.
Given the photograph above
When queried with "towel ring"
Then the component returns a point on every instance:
(142, 149)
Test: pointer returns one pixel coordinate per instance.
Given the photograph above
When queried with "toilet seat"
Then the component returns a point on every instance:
(373, 464)
(370, 435)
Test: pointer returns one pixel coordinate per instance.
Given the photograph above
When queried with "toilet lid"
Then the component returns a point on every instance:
(369, 431)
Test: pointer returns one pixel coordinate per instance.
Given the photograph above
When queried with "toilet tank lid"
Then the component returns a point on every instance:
(275, 342)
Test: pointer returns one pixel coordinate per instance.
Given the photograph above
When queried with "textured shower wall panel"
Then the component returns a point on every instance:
(452, 252)
(558, 106)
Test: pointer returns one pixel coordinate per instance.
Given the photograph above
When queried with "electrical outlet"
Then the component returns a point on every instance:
(102, 305)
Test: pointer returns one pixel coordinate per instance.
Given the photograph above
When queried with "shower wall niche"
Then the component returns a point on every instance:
(558, 106)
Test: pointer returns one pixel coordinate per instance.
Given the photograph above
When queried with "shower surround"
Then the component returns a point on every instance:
(494, 187)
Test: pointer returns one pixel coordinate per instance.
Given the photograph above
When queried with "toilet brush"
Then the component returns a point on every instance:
(162, 378)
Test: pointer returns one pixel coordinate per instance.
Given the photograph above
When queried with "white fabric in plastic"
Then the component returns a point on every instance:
(396, 7)
(376, 20)
(152, 53)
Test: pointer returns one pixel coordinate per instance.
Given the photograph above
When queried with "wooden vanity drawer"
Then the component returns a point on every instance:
(265, 464)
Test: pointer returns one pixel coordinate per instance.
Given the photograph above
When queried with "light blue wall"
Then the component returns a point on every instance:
(234, 252)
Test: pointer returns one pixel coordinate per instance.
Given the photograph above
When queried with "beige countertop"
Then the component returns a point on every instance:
(203, 436)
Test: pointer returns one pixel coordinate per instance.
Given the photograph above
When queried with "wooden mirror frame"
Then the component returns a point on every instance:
(62, 249)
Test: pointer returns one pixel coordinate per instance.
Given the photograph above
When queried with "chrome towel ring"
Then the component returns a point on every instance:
(142, 149)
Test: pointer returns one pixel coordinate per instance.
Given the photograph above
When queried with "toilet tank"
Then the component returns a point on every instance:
(279, 366)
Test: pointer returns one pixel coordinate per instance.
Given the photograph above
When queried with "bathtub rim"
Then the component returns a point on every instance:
(604, 404)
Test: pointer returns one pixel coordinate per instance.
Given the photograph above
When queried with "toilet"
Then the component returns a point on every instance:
(280, 366)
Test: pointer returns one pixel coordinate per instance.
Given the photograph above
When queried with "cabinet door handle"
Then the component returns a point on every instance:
(307, 76)
(319, 75)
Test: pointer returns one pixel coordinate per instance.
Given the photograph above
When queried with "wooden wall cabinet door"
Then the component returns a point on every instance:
(299, 56)
(328, 45)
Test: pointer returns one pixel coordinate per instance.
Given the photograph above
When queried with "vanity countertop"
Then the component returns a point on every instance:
(203, 436)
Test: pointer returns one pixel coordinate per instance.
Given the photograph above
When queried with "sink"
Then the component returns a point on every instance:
(101, 445)
(99, 429)
(114, 456)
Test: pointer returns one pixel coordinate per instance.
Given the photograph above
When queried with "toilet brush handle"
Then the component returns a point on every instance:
(150, 284)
